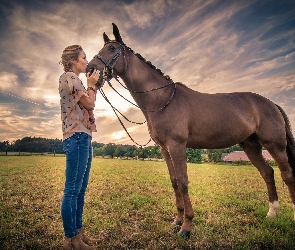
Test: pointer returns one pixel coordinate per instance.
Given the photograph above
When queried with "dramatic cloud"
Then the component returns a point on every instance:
(211, 46)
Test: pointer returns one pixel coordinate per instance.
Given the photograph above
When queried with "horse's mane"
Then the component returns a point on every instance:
(167, 77)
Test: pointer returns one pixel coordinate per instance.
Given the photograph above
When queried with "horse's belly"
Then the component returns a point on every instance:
(219, 136)
(215, 143)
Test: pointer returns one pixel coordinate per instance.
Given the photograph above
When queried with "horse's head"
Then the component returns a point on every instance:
(110, 60)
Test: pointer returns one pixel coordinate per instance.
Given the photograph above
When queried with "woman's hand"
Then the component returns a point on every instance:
(89, 101)
(92, 79)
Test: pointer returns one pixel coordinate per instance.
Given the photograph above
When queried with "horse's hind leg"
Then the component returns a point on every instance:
(280, 156)
(253, 150)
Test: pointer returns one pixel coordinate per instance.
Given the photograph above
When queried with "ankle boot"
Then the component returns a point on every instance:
(67, 244)
(78, 244)
(85, 238)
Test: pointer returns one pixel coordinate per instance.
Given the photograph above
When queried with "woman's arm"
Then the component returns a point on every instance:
(89, 102)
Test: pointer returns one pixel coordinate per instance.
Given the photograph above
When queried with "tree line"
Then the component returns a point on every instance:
(44, 145)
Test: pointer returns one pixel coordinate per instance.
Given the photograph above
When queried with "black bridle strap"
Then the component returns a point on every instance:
(113, 59)
(116, 110)
(172, 95)
(146, 91)
(102, 59)
(122, 124)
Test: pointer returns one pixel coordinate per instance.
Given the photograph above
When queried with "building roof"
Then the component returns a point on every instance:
(241, 156)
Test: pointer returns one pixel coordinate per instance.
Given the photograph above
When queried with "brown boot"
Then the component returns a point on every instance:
(67, 244)
(85, 238)
(78, 244)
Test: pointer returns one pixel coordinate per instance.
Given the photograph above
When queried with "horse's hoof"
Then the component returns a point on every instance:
(178, 223)
(184, 234)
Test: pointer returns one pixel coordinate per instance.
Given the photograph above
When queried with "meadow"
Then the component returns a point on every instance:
(130, 205)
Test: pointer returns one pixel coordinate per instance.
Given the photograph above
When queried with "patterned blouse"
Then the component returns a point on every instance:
(74, 117)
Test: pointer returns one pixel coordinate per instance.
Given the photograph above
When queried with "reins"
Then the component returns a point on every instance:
(109, 66)
(122, 124)
(142, 92)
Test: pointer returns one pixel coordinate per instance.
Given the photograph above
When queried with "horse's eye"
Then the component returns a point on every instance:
(111, 48)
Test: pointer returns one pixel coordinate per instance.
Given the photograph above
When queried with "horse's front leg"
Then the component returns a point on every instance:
(178, 221)
(178, 157)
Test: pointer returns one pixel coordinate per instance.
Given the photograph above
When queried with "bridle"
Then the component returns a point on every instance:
(108, 74)
(110, 64)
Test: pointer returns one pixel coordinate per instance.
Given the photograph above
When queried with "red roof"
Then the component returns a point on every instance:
(241, 156)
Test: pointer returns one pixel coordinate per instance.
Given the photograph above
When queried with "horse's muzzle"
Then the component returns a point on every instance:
(90, 69)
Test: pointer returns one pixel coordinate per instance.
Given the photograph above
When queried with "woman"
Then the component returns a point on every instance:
(77, 104)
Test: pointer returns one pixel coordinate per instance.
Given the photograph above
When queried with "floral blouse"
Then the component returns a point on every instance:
(74, 117)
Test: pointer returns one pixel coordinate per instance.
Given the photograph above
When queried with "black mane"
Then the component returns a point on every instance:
(167, 77)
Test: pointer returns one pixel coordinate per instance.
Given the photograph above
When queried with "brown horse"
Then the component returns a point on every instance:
(179, 117)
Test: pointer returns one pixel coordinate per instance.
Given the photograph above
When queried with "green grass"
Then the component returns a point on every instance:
(130, 205)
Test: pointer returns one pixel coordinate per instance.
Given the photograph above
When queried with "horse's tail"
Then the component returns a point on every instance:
(290, 141)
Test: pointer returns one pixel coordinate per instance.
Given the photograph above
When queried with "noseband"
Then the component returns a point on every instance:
(110, 64)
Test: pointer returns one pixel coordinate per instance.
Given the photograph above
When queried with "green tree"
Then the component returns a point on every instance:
(130, 151)
(98, 151)
(232, 149)
(97, 144)
(119, 151)
(156, 152)
(194, 155)
(138, 152)
(214, 155)
(109, 149)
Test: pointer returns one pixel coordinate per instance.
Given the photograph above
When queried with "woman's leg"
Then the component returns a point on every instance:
(81, 196)
(80, 204)
(77, 153)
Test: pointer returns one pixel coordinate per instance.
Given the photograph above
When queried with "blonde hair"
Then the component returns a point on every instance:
(70, 53)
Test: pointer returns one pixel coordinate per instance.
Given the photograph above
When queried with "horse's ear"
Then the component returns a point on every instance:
(116, 33)
(105, 38)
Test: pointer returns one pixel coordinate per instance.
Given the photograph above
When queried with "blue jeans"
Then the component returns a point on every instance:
(78, 151)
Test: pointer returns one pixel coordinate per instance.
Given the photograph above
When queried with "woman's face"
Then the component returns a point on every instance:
(80, 65)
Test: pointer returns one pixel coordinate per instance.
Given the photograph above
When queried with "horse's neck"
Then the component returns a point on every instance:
(140, 77)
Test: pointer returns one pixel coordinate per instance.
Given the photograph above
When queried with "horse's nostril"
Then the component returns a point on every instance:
(91, 69)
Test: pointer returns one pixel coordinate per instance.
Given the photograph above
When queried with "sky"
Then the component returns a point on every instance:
(212, 46)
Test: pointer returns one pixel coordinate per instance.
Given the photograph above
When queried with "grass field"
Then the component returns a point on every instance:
(130, 205)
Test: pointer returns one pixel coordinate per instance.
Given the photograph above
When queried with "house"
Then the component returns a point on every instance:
(241, 156)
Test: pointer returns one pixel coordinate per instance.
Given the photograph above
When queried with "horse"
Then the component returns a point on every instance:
(179, 117)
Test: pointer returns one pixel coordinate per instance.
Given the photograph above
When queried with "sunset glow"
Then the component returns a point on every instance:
(210, 46)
